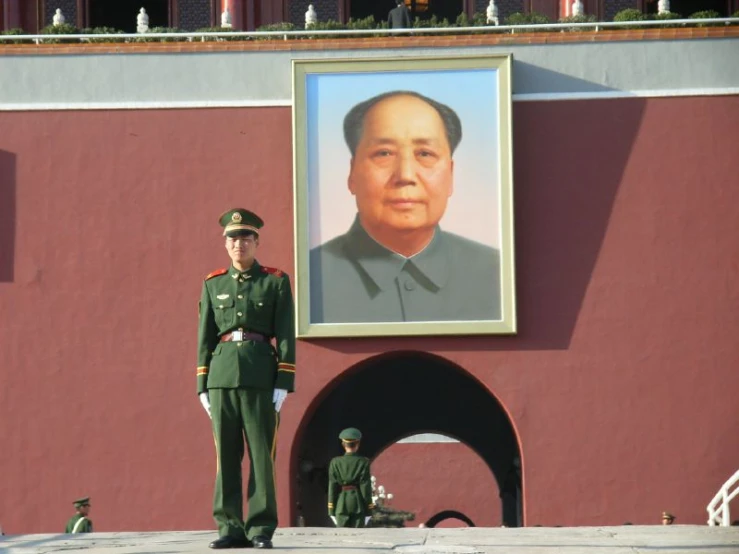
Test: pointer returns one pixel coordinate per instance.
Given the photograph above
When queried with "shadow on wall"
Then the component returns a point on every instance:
(569, 159)
(7, 215)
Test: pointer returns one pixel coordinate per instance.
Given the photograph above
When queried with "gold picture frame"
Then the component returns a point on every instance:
(380, 169)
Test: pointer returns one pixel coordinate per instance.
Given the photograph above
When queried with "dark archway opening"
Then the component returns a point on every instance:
(422, 9)
(433, 521)
(122, 14)
(395, 395)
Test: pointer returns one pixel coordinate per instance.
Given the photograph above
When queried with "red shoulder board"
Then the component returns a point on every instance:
(274, 271)
(216, 273)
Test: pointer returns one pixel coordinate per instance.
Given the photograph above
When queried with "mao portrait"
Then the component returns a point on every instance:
(390, 248)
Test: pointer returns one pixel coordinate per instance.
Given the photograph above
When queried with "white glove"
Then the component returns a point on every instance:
(366, 520)
(205, 401)
(278, 398)
(333, 518)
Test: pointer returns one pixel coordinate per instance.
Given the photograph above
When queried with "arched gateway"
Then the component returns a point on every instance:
(395, 395)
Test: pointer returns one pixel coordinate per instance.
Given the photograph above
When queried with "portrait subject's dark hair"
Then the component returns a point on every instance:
(354, 120)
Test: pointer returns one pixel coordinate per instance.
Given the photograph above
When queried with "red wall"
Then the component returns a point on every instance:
(621, 382)
(444, 476)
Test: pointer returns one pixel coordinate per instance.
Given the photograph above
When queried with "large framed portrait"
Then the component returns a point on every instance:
(403, 196)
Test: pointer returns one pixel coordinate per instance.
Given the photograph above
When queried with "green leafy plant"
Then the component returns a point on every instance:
(578, 19)
(432, 22)
(103, 31)
(175, 35)
(329, 25)
(272, 27)
(463, 21)
(629, 14)
(480, 19)
(16, 31)
(533, 18)
(63, 29)
(666, 17)
(366, 23)
(217, 30)
(706, 14)
(362, 24)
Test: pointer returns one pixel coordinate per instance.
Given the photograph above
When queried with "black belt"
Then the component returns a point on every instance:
(245, 335)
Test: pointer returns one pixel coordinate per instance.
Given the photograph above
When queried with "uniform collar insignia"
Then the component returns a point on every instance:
(235, 273)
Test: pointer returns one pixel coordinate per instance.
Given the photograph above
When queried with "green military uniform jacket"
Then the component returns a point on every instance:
(349, 470)
(78, 524)
(354, 279)
(258, 300)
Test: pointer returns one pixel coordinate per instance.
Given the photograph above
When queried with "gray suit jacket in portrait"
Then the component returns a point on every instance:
(354, 279)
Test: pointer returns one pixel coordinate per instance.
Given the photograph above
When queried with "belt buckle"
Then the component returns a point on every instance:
(237, 336)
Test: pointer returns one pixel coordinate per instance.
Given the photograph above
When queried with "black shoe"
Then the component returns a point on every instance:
(260, 541)
(230, 542)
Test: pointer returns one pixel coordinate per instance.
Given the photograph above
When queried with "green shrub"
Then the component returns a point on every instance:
(366, 24)
(431, 23)
(103, 31)
(630, 14)
(16, 31)
(362, 24)
(706, 14)
(217, 30)
(283, 26)
(63, 29)
(532, 18)
(175, 35)
(578, 19)
(480, 19)
(666, 17)
(329, 25)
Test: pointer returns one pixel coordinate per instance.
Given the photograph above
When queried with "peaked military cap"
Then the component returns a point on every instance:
(239, 221)
(667, 515)
(81, 502)
(350, 435)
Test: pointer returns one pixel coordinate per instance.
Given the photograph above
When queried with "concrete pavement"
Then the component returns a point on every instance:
(675, 539)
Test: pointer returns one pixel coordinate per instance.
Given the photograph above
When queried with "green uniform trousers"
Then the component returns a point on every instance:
(350, 510)
(240, 414)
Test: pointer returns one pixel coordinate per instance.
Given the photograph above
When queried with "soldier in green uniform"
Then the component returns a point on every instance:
(79, 522)
(243, 378)
(349, 484)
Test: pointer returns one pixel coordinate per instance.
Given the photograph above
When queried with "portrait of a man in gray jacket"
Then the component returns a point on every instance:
(396, 263)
